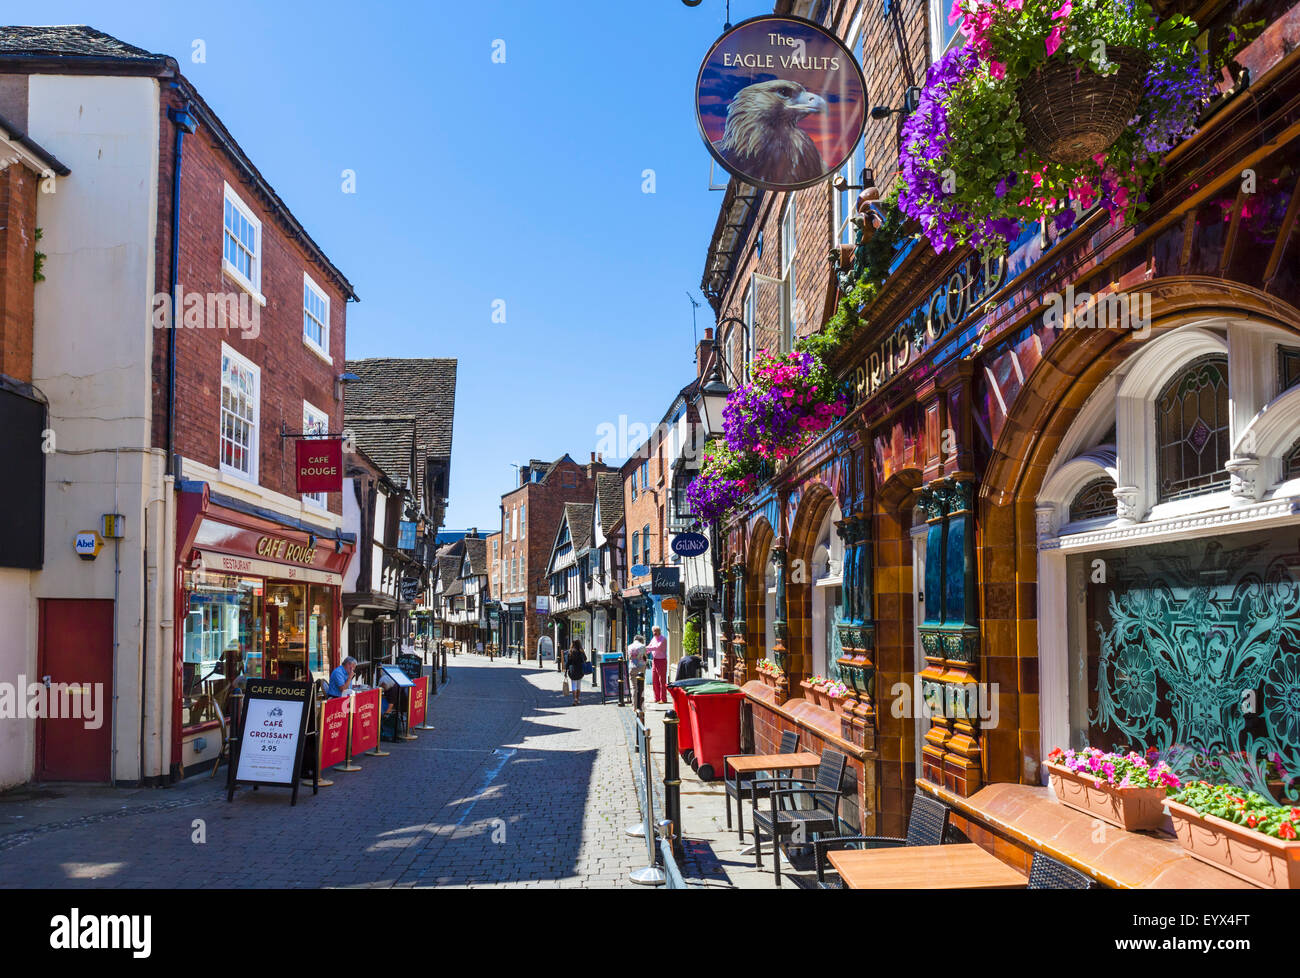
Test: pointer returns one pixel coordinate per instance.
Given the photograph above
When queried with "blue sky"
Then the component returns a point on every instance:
(478, 181)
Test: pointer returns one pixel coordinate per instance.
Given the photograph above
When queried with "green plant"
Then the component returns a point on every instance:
(691, 638)
(38, 260)
(1243, 807)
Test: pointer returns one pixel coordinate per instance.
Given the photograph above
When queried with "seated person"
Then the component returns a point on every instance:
(341, 678)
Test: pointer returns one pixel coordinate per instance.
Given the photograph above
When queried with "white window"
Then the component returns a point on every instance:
(241, 255)
(846, 200)
(240, 383)
(788, 248)
(315, 317)
(943, 35)
(523, 520)
(315, 422)
(514, 523)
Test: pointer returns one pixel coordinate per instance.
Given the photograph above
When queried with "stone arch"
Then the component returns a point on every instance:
(1025, 462)
(756, 551)
(816, 501)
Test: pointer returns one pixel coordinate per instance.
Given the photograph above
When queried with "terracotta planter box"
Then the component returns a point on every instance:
(838, 703)
(806, 686)
(1132, 809)
(1253, 856)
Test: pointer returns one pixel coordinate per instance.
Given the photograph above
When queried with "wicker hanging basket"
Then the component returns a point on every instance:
(1071, 113)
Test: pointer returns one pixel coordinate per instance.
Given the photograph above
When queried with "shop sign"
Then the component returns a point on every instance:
(949, 305)
(87, 544)
(334, 731)
(406, 534)
(690, 544)
(780, 102)
(639, 570)
(543, 604)
(665, 580)
(669, 604)
(271, 733)
(320, 464)
(410, 588)
(278, 548)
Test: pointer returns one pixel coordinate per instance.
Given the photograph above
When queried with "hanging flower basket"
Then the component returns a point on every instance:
(1072, 114)
(1046, 111)
(791, 399)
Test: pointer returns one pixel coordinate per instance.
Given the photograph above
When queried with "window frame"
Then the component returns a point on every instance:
(938, 18)
(318, 500)
(255, 445)
(789, 241)
(321, 350)
(252, 284)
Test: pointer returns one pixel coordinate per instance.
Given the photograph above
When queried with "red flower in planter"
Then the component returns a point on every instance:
(1286, 831)
(1055, 756)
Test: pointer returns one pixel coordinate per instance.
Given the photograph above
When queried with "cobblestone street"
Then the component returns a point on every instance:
(514, 787)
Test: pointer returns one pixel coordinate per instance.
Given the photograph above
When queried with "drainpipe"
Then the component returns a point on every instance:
(184, 123)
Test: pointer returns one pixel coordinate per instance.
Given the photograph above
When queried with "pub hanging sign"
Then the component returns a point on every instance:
(320, 464)
(780, 102)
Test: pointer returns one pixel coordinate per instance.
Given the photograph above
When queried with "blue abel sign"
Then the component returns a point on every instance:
(638, 570)
(690, 544)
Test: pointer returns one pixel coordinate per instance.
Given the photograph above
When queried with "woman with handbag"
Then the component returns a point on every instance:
(575, 667)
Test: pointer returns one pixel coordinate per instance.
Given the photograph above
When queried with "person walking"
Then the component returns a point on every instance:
(658, 650)
(636, 663)
(575, 663)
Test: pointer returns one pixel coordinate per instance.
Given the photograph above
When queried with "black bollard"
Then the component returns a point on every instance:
(672, 777)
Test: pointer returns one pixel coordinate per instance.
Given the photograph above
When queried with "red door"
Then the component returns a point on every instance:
(76, 649)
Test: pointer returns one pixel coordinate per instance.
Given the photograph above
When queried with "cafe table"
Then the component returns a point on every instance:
(946, 867)
(753, 763)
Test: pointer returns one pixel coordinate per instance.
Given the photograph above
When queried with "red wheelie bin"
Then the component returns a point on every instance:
(715, 725)
(685, 741)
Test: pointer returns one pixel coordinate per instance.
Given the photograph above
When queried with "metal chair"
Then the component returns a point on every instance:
(826, 793)
(1046, 873)
(744, 784)
(926, 826)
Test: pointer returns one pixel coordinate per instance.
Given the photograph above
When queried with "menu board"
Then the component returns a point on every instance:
(334, 731)
(271, 733)
(397, 675)
(610, 669)
(419, 702)
(365, 721)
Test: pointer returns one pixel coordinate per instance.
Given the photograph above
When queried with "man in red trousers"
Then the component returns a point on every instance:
(658, 651)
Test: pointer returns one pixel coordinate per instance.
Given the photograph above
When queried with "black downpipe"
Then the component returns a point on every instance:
(184, 123)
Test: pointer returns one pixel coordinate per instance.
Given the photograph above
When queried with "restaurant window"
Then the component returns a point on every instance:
(1192, 429)
(222, 644)
(315, 422)
(239, 407)
(299, 622)
(1192, 649)
(315, 316)
(242, 251)
(1094, 501)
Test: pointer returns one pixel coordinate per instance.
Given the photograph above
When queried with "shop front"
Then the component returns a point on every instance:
(256, 599)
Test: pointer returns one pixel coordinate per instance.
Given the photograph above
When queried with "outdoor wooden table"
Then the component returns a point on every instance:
(749, 763)
(952, 867)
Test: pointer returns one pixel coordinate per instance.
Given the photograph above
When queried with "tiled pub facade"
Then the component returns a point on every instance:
(998, 463)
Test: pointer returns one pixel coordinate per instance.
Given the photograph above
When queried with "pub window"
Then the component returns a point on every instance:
(1291, 463)
(1094, 501)
(1288, 368)
(1192, 429)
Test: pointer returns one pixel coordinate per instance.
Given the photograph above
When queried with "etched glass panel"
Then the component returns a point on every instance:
(1192, 649)
(1094, 501)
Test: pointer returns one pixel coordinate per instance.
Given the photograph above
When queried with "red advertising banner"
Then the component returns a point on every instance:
(419, 701)
(320, 464)
(365, 721)
(334, 731)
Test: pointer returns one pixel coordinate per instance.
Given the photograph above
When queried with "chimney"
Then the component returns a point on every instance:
(591, 467)
(704, 354)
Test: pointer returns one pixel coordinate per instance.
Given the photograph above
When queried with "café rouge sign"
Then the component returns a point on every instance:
(974, 281)
(277, 548)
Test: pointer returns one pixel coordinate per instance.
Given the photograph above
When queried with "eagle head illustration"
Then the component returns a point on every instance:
(762, 137)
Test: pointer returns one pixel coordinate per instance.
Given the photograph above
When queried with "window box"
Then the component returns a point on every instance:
(1241, 851)
(1133, 809)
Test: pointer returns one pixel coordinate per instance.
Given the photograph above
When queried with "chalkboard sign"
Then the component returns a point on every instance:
(412, 665)
(610, 670)
(271, 734)
(410, 588)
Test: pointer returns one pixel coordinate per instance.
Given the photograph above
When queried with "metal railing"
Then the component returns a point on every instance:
(661, 867)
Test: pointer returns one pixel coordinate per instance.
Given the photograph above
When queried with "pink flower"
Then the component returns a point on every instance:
(998, 70)
(1053, 41)
(1015, 4)
(954, 14)
(1062, 11)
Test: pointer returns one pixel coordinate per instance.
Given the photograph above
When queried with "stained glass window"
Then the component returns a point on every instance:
(1093, 501)
(1291, 463)
(1192, 649)
(1192, 429)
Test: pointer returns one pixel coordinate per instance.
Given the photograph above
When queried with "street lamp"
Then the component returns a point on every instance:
(709, 400)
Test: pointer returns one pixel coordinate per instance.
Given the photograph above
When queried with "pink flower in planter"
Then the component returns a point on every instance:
(998, 70)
